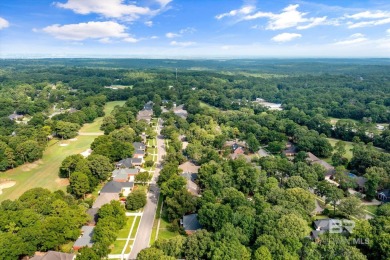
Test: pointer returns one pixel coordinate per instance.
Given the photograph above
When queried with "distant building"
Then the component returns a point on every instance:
(315, 160)
(117, 187)
(15, 117)
(124, 174)
(290, 150)
(322, 226)
(53, 255)
(384, 195)
(139, 146)
(129, 163)
(190, 173)
(85, 239)
(190, 223)
(139, 154)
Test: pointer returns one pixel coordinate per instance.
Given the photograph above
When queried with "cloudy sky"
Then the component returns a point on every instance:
(194, 28)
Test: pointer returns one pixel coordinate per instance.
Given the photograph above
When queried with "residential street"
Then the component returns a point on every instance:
(145, 227)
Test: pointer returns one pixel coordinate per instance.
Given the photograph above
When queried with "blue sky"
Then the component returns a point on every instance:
(194, 28)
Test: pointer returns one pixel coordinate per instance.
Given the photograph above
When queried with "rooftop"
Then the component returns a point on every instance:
(115, 187)
(189, 167)
(191, 223)
(53, 255)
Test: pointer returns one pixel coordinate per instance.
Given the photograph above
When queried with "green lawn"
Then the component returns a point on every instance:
(155, 223)
(333, 120)
(134, 232)
(44, 172)
(212, 108)
(124, 232)
(117, 247)
(371, 208)
(348, 147)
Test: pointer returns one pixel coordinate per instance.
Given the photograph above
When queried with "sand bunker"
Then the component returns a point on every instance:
(86, 153)
(64, 144)
(6, 184)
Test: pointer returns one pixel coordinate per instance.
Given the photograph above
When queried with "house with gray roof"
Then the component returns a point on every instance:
(53, 255)
(190, 223)
(129, 163)
(139, 146)
(315, 160)
(85, 239)
(124, 174)
(384, 195)
(15, 117)
(116, 187)
(139, 154)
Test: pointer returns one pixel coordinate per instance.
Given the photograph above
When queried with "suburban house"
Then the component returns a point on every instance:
(359, 180)
(180, 111)
(190, 223)
(238, 149)
(384, 195)
(129, 163)
(322, 226)
(15, 117)
(53, 255)
(314, 159)
(190, 173)
(139, 154)
(85, 239)
(124, 174)
(290, 150)
(139, 146)
(146, 113)
(117, 187)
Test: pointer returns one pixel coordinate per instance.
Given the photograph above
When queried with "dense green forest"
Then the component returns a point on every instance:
(250, 207)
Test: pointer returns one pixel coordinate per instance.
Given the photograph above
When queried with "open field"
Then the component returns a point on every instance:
(348, 147)
(333, 120)
(44, 172)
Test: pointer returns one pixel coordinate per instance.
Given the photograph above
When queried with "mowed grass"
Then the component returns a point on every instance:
(44, 173)
(95, 126)
(348, 147)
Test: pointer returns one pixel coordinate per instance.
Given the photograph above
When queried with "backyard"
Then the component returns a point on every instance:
(44, 172)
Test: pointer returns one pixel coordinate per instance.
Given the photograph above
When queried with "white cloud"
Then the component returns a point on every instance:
(369, 15)
(188, 30)
(112, 8)
(316, 21)
(286, 37)
(353, 39)
(3, 23)
(131, 39)
(149, 23)
(182, 44)
(289, 17)
(242, 11)
(105, 40)
(172, 35)
(154, 37)
(89, 30)
(368, 23)
(388, 32)
(368, 19)
(163, 2)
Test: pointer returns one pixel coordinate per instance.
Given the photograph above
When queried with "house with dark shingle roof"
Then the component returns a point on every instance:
(190, 172)
(15, 117)
(129, 163)
(384, 195)
(190, 223)
(117, 187)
